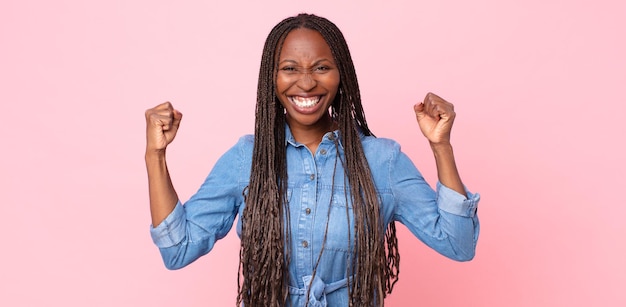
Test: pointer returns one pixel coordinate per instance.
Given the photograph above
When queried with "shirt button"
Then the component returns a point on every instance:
(305, 244)
(312, 176)
(308, 211)
(323, 151)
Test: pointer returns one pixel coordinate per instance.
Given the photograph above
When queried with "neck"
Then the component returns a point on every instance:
(312, 135)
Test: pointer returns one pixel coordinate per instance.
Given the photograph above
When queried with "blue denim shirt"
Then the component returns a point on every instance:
(444, 220)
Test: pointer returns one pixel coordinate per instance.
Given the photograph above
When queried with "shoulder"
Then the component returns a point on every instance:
(235, 162)
(245, 144)
(373, 146)
(380, 152)
(381, 155)
(240, 151)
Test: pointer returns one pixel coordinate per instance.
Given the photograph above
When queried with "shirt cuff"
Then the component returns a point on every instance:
(172, 230)
(455, 203)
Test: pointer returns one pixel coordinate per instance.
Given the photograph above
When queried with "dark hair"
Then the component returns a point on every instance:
(264, 253)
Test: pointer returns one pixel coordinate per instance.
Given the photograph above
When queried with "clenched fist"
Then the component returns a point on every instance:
(162, 123)
(435, 117)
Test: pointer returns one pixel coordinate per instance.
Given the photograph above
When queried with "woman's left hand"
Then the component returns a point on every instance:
(435, 117)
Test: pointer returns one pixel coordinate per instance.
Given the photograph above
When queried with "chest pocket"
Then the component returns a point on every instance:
(340, 219)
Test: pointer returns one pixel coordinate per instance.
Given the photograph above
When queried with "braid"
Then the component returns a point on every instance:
(265, 248)
(264, 256)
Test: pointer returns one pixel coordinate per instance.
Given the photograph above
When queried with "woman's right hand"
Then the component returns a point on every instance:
(162, 123)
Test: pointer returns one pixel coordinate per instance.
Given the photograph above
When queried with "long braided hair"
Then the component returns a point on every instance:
(264, 252)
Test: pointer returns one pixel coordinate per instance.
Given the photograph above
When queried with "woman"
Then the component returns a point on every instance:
(316, 192)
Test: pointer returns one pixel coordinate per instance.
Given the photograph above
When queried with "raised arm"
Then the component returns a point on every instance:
(435, 117)
(162, 123)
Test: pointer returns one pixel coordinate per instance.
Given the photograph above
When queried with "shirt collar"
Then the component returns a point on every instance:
(331, 136)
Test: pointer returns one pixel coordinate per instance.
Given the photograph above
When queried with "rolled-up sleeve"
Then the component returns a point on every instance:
(452, 202)
(172, 230)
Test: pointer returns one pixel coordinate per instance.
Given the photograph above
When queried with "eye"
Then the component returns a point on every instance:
(322, 68)
(289, 69)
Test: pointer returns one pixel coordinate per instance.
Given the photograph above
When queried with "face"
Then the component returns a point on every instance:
(307, 79)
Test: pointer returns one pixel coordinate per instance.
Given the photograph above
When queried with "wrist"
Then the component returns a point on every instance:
(444, 147)
(155, 154)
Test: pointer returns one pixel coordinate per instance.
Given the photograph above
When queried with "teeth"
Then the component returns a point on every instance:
(305, 102)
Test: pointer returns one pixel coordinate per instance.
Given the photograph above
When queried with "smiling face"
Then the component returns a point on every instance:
(307, 80)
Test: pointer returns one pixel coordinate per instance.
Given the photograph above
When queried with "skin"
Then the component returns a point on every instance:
(435, 117)
(306, 70)
(162, 123)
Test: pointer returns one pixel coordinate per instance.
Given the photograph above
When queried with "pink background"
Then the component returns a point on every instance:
(538, 88)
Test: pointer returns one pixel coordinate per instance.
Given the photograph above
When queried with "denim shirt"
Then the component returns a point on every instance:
(444, 219)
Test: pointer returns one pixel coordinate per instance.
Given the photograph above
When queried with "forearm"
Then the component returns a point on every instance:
(163, 197)
(446, 168)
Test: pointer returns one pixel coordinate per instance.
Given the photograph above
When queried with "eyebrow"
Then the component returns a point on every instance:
(314, 63)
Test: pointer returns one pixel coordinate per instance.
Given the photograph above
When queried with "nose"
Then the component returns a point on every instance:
(306, 82)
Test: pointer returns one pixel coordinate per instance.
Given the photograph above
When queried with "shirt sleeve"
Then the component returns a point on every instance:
(444, 219)
(191, 229)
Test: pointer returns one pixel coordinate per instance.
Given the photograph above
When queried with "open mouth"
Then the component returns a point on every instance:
(305, 102)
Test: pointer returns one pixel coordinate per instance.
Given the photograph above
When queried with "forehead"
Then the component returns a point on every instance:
(305, 44)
